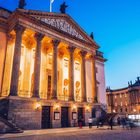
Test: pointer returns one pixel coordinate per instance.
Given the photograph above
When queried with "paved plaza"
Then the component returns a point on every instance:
(75, 134)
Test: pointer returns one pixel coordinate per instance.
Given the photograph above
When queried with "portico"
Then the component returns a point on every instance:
(50, 63)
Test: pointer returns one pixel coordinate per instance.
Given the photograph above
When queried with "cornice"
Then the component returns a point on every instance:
(101, 59)
(3, 24)
(15, 16)
(64, 16)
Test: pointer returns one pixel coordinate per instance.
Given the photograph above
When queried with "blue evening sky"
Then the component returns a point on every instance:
(116, 27)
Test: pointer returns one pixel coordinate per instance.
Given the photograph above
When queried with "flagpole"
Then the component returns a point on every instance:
(50, 6)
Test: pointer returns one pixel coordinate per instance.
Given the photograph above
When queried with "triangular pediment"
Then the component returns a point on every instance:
(62, 22)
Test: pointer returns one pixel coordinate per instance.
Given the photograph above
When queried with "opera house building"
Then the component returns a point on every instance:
(51, 71)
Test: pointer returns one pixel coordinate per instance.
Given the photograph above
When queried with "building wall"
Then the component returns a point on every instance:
(124, 101)
(89, 79)
(100, 77)
(2, 55)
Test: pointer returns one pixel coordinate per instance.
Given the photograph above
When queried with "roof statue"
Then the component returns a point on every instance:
(21, 4)
(91, 35)
(63, 7)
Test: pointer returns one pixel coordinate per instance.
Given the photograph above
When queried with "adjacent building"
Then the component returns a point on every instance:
(51, 71)
(125, 101)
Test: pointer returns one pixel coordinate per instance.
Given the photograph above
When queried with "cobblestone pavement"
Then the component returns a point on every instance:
(75, 134)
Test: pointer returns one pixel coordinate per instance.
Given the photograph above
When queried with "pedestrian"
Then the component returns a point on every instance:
(123, 122)
(90, 122)
(80, 122)
(118, 121)
(111, 123)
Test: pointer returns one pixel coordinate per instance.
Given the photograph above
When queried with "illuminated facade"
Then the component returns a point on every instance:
(125, 101)
(51, 71)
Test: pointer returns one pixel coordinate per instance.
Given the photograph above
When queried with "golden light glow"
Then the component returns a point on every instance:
(114, 111)
(74, 107)
(87, 108)
(57, 106)
(37, 106)
(134, 110)
(28, 39)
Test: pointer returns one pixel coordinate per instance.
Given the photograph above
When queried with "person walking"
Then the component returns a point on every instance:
(90, 122)
(80, 122)
(111, 123)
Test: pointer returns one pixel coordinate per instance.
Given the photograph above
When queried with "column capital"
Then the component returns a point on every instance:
(55, 42)
(19, 28)
(10, 38)
(71, 49)
(92, 56)
(39, 36)
(83, 53)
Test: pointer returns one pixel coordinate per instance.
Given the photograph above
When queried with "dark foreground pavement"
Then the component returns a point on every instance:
(76, 134)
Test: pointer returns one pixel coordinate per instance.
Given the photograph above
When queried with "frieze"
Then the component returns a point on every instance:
(42, 30)
(63, 25)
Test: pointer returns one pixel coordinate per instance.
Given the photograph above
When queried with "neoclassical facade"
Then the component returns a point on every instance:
(51, 72)
(125, 101)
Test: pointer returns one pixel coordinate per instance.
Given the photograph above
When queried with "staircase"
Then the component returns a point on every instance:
(9, 125)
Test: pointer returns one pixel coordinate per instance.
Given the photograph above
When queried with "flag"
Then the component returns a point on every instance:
(52, 1)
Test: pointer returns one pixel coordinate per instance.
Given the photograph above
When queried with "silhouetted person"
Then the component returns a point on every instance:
(63, 8)
(21, 4)
(111, 123)
(80, 122)
(118, 121)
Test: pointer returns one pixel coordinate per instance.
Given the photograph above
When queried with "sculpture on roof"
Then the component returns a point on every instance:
(91, 35)
(63, 7)
(21, 4)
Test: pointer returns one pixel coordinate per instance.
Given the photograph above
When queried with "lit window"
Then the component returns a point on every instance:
(120, 95)
(115, 96)
(121, 103)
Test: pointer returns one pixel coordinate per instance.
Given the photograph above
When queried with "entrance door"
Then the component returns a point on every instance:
(64, 117)
(46, 117)
(81, 114)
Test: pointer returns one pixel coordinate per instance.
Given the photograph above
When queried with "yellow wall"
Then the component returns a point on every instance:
(2, 55)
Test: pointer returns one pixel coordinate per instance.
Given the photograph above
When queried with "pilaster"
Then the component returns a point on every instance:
(71, 73)
(83, 76)
(94, 83)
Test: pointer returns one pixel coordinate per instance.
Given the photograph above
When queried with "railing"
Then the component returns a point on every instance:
(100, 54)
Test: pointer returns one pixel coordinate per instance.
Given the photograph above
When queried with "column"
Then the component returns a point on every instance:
(16, 60)
(54, 69)
(94, 83)
(83, 76)
(36, 81)
(71, 73)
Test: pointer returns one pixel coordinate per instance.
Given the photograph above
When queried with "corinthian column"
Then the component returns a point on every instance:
(94, 83)
(83, 74)
(36, 81)
(16, 60)
(71, 73)
(54, 69)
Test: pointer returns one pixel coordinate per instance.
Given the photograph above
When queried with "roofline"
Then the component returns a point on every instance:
(62, 15)
(5, 9)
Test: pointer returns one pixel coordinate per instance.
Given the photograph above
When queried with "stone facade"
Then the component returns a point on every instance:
(48, 71)
(125, 101)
